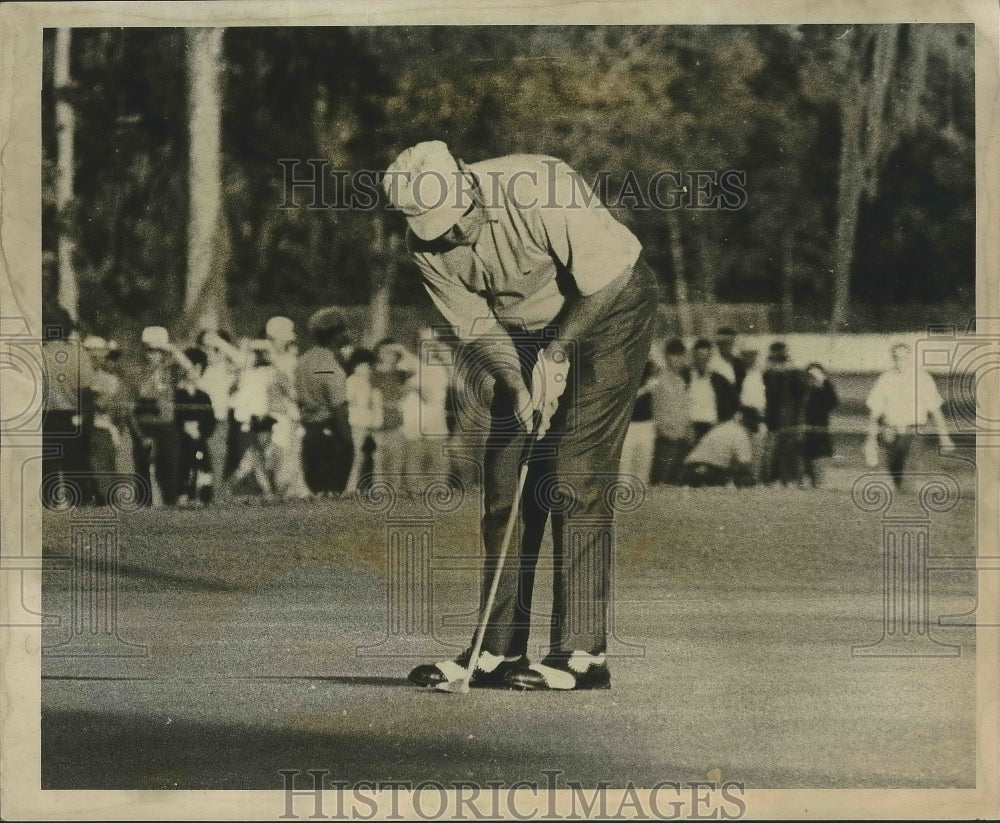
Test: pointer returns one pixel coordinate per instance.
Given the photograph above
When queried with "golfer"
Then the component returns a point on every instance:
(548, 290)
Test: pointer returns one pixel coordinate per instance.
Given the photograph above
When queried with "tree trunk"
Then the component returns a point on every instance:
(862, 146)
(380, 302)
(787, 282)
(708, 257)
(69, 297)
(849, 189)
(680, 278)
(204, 297)
(915, 75)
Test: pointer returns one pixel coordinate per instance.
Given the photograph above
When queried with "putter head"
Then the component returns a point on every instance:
(460, 686)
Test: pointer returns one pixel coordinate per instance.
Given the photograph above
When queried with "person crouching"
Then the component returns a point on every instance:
(725, 454)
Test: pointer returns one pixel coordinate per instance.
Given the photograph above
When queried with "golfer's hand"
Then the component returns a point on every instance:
(548, 382)
(524, 409)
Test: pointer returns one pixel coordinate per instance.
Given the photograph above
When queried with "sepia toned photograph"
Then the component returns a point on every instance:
(507, 416)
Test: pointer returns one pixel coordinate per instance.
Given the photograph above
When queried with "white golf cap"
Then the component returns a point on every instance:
(93, 341)
(155, 337)
(426, 185)
(280, 329)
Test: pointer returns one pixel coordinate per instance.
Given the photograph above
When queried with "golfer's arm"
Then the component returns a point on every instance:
(475, 323)
(582, 311)
(499, 358)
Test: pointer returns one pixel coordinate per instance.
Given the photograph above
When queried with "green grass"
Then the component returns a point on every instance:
(744, 605)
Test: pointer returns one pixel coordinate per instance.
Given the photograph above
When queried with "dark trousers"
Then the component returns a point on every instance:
(165, 459)
(327, 454)
(194, 458)
(571, 471)
(700, 429)
(782, 456)
(68, 434)
(704, 474)
(897, 450)
(668, 460)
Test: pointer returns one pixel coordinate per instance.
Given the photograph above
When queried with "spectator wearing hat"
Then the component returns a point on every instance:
(111, 442)
(194, 418)
(425, 421)
(288, 431)
(155, 413)
(725, 361)
(67, 421)
(817, 445)
(218, 381)
(671, 415)
(320, 385)
(546, 291)
(725, 454)
(784, 398)
(364, 412)
(391, 381)
(712, 396)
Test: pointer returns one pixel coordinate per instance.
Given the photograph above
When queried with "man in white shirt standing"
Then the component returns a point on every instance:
(902, 399)
(713, 397)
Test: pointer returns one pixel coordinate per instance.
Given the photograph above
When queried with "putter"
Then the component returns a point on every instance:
(461, 686)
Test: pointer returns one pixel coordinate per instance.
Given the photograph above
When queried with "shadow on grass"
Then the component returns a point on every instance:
(104, 750)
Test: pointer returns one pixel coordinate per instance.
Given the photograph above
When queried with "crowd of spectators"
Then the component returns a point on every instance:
(709, 416)
(224, 418)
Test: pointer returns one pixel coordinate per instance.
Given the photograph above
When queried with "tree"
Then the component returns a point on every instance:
(65, 125)
(881, 79)
(205, 293)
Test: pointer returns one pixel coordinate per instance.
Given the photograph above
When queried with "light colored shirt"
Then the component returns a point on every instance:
(217, 382)
(251, 397)
(432, 382)
(540, 224)
(702, 395)
(752, 393)
(904, 398)
(722, 446)
(361, 405)
(671, 405)
(320, 385)
(719, 364)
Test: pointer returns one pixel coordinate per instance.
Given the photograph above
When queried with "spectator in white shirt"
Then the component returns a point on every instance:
(725, 454)
(902, 399)
(364, 413)
(425, 420)
(713, 397)
(218, 381)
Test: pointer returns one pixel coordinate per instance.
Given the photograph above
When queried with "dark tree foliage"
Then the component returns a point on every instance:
(625, 102)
